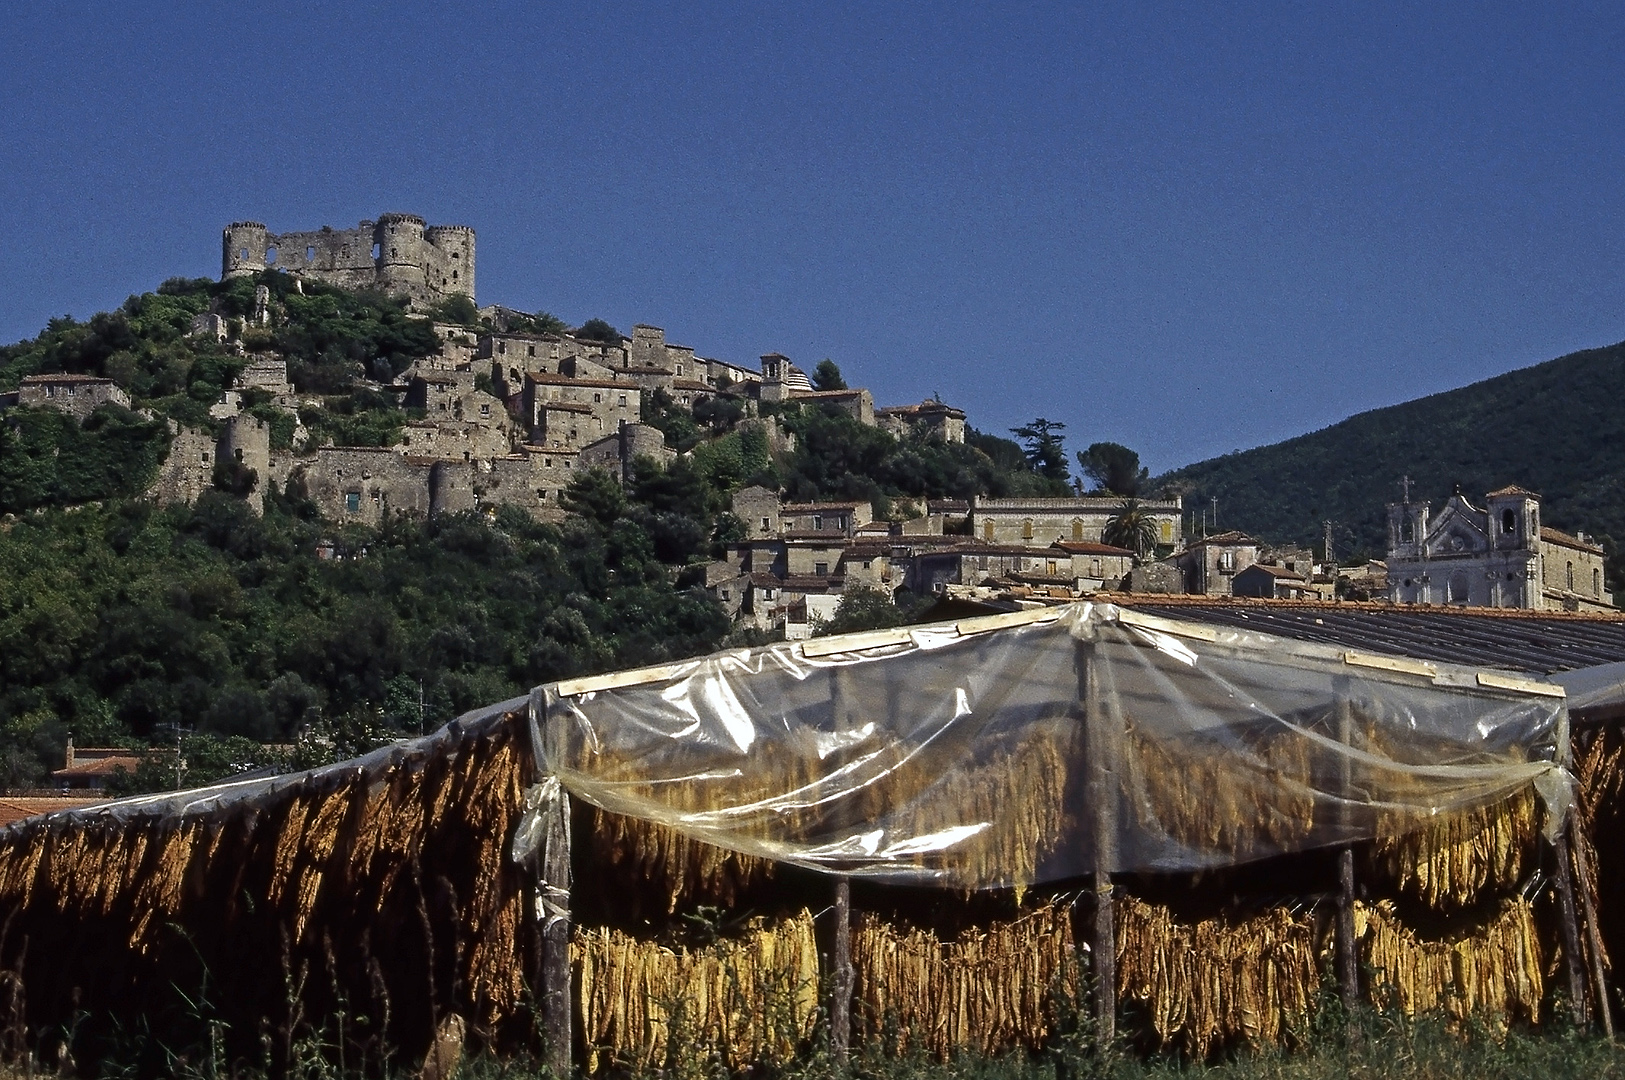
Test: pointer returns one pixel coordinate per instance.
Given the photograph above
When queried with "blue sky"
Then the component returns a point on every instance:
(1189, 229)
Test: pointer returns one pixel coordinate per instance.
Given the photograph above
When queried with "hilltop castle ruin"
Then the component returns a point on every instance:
(398, 254)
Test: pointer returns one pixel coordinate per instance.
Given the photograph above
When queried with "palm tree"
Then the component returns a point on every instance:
(1131, 527)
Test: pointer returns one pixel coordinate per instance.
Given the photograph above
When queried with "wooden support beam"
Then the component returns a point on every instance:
(1348, 966)
(840, 1005)
(557, 1007)
(1102, 730)
(1583, 880)
(1569, 925)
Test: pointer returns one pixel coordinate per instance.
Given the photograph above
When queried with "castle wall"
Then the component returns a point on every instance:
(364, 484)
(397, 254)
(188, 471)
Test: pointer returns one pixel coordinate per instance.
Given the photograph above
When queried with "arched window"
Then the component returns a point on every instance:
(1509, 522)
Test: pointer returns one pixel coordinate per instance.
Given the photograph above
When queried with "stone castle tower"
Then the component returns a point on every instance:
(397, 254)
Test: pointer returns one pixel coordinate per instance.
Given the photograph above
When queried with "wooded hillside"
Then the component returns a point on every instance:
(1557, 428)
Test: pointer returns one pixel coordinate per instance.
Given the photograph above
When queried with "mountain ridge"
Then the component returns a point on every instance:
(1557, 428)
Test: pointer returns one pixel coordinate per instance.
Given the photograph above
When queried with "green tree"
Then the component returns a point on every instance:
(596, 495)
(1113, 468)
(863, 608)
(598, 330)
(1044, 448)
(827, 376)
(1131, 527)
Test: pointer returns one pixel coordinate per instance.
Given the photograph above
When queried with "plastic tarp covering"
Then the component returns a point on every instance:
(1039, 746)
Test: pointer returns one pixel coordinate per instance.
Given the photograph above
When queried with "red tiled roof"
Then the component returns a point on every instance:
(1556, 536)
(1275, 571)
(565, 380)
(16, 808)
(99, 766)
(33, 379)
(1085, 547)
(1228, 538)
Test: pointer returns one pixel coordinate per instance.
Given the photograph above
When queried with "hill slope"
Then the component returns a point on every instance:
(1557, 428)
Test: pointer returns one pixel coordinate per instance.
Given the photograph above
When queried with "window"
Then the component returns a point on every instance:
(1227, 560)
(1509, 521)
(987, 530)
(596, 398)
(502, 348)
(352, 502)
(270, 255)
(766, 525)
(818, 522)
(725, 596)
(679, 369)
(242, 253)
(1458, 587)
(1570, 577)
(1167, 532)
(310, 254)
(72, 390)
(1027, 528)
(821, 569)
(1053, 570)
(623, 401)
(205, 457)
(1596, 582)
(485, 410)
(1077, 528)
(376, 250)
(533, 350)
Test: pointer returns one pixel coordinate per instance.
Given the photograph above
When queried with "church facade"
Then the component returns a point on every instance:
(1497, 556)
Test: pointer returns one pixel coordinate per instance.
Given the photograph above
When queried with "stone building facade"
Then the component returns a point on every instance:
(1042, 522)
(76, 395)
(1497, 556)
(397, 254)
(1210, 565)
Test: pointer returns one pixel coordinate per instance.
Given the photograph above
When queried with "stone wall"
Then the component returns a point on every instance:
(1042, 522)
(397, 254)
(76, 395)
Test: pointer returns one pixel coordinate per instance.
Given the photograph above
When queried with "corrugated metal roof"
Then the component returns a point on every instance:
(1533, 641)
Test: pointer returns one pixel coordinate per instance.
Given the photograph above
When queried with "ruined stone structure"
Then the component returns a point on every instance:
(928, 417)
(398, 254)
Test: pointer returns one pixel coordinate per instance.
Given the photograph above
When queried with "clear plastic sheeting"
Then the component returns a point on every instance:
(1039, 746)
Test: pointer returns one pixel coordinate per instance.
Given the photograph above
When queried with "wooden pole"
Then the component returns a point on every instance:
(1100, 732)
(840, 1006)
(1599, 977)
(1569, 925)
(1348, 968)
(555, 885)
